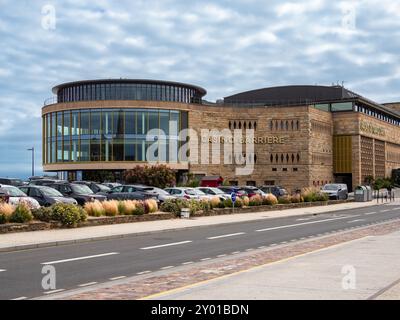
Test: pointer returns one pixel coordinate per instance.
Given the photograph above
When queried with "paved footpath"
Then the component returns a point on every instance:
(35, 239)
(366, 268)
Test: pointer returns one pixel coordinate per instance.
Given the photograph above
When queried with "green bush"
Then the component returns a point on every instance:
(68, 214)
(309, 197)
(321, 196)
(228, 203)
(44, 214)
(284, 200)
(174, 206)
(139, 210)
(158, 176)
(21, 214)
(3, 218)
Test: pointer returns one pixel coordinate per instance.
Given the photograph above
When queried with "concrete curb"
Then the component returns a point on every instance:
(134, 234)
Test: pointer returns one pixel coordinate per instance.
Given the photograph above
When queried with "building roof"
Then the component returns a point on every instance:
(291, 95)
(200, 90)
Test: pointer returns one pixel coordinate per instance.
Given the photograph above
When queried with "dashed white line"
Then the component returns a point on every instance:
(20, 298)
(385, 210)
(117, 278)
(81, 258)
(166, 245)
(205, 259)
(186, 263)
(369, 213)
(143, 272)
(226, 235)
(87, 284)
(167, 267)
(53, 291)
(221, 256)
(262, 247)
(273, 244)
(305, 223)
(3, 270)
(357, 220)
(251, 249)
(235, 252)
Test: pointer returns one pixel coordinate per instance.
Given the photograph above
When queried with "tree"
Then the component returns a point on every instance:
(157, 176)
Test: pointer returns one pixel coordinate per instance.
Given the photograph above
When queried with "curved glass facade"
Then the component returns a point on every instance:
(128, 91)
(105, 135)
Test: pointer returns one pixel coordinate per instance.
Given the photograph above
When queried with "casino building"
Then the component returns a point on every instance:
(304, 135)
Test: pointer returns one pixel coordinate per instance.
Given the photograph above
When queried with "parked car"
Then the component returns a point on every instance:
(161, 194)
(214, 192)
(230, 190)
(14, 196)
(95, 187)
(252, 191)
(130, 192)
(79, 192)
(11, 182)
(185, 193)
(277, 191)
(46, 196)
(45, 182)
(337, 191)
(111, 184)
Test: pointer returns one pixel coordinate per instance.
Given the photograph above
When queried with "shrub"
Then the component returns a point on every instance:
(321, 196)
(214, 202)
(110, 207)
(151, 206)
(44, 214)
(129, 206)
(296, 198)
(139, 209)
(270, 199)
(255, 201)
(239, 203)
(205, 205)
(94, 209)
(175, 206)
(68, 214)
(228, 203)
(284, 200)
(158, 176)
(21, 214)
(6, 210)
(246, 201)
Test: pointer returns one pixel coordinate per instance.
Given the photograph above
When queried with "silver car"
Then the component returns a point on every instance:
(214, 192)
(186, 193)
(336, 191)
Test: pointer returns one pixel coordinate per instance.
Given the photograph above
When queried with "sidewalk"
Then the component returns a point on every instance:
(37, 239)
(372, 264)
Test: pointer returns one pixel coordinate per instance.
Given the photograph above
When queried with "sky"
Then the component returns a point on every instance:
(224, 46)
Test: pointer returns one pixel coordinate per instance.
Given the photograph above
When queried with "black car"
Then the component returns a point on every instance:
(130, 192)
(11, 182)
(277, 191)
(46, 196)
(79, 192)
(95, 187)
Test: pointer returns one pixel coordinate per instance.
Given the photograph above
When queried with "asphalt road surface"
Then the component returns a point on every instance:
(86, 264)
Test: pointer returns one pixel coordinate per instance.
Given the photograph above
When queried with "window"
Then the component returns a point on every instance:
(343, 106)
(274, 169)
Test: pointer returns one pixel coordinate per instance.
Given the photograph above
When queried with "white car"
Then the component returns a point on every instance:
(14, 196)
(214, 192)
(187, 193)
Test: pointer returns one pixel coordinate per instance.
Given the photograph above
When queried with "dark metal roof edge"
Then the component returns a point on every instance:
(145, 81)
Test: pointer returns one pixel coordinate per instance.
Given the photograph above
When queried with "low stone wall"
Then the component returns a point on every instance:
(92, 221)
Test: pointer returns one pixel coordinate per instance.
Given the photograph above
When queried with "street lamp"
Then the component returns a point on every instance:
(33, 160)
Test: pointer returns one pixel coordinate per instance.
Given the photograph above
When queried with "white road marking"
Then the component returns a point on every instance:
(82, 258)
(236, 252)
(87, 284)
(167, 267)
(221, 256)
(143, 272)
(3, 270)
(262, 247)
(205, 259)
(166, 245)
(273, 244)
(357, 220)
(226, 235)
(186, 263)
(305, 223)
(385, 210)
(369, 213)
(53, 291)
(20, 298)
(117, 278)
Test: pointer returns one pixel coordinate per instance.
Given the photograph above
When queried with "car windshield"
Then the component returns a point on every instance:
(217, 191)
(14, 192)
(50, 192)
(199, 192)
(160, 191)
(103, 188)
(191, 192)
(331, 187)
(81, 189)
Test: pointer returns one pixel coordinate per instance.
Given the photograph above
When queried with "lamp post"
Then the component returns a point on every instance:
(33, 160)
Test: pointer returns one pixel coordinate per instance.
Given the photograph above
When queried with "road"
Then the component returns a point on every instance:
(86, 264)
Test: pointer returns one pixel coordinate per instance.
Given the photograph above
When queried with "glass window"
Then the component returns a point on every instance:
(153, 120)
(59, 124)
(85, 123)
(66, 150)
(118, 123)
(106, 122)
(59, 151)
(130, 122)
(95, 117)
(75, 123)
(67, 123)
(130, 150)
(118, 150)
(94, 149)
(164, 122)
(323, 107)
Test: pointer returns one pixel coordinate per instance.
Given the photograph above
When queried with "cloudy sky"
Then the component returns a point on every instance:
(224, 46)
